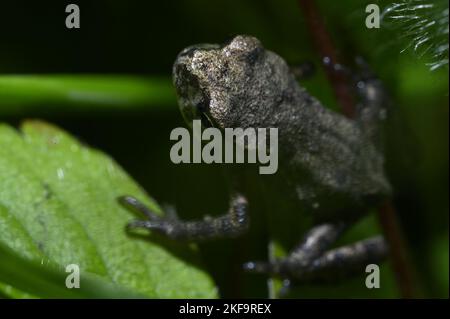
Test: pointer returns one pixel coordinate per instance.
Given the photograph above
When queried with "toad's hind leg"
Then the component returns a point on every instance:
(347, 261)
(313, 245)
(232, 224)
(311, 262)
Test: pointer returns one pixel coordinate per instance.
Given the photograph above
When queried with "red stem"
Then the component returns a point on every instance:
(326, 50)
(397, 249)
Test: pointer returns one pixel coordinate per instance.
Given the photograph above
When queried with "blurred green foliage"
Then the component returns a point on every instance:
(142, 39)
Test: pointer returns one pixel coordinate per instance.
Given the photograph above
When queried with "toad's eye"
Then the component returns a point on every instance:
(245, 48)
(193, 100)
(254, 55)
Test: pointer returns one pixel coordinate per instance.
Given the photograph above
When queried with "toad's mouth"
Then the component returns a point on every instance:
(193, 100)
(206, 120)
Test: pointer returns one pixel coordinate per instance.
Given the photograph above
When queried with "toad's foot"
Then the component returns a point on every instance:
(310, 262)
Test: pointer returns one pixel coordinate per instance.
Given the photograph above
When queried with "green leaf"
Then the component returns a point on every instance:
(58, 206)
(48, 280)
(60, 93)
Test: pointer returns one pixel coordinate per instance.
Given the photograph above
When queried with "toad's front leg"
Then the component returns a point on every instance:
(232, 224)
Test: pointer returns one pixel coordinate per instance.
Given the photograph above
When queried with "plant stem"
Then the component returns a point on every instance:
(326, 50)
(397, 248)
(82, 92)
(386, 213)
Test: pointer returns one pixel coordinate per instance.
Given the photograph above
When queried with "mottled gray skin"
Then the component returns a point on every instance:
(330, 165)
(326, 157)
